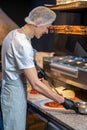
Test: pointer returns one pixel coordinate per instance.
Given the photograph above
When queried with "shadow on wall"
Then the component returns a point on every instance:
(45, 43)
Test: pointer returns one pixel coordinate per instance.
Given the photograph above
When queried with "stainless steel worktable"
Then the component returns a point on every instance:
(65, 119)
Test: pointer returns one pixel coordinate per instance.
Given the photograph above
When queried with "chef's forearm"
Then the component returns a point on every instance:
(31, 75)
(46, 91)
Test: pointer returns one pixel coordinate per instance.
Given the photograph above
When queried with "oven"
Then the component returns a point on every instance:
(68, 71)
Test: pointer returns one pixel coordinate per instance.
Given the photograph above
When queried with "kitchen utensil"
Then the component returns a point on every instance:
(52, 85)
(82, 107)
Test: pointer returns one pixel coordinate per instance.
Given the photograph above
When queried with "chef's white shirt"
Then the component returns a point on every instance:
(17, 54)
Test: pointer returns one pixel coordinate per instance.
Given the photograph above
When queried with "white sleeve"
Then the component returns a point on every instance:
(23, 53)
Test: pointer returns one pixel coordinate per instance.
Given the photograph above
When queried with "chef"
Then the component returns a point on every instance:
(18, 67)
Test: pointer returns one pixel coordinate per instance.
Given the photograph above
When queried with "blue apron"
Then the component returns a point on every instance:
(13, 103)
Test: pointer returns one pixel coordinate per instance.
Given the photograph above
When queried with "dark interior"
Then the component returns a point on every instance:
(60, 44)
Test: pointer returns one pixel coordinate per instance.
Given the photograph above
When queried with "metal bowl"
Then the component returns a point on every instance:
(82, 107)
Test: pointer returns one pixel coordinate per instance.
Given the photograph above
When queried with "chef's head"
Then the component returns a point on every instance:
(40, 16)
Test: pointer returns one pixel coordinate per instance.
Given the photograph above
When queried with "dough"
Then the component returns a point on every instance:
(65, 93)
(68, 93)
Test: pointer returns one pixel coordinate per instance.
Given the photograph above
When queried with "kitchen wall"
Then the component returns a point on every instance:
(6, 25)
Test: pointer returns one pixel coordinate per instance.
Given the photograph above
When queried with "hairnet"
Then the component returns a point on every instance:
(40, 16)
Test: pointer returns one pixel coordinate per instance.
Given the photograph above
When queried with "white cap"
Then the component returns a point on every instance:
(40, 16)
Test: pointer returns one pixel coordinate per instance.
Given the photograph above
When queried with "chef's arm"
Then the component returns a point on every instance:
(31, 75)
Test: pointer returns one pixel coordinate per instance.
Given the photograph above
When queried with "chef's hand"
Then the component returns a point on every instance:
(69, 104)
